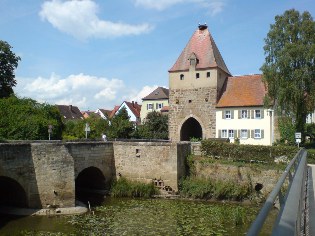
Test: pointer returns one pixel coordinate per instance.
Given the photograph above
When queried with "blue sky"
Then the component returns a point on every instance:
(96, 54)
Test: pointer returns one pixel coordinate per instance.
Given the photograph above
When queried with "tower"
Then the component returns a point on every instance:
(195, 82)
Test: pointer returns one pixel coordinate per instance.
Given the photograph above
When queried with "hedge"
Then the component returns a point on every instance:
(246, 153)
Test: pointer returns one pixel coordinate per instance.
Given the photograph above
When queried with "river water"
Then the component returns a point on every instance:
(141, 217)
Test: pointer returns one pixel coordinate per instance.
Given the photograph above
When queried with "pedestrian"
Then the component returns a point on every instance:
(104, 137)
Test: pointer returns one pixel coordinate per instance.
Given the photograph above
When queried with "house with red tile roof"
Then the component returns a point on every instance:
(133, 109)
(240, 112)
(155, 101)
(206, 101)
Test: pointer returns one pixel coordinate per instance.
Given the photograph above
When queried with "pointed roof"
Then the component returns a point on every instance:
(205, 49)
(157, 94)
(243, 91)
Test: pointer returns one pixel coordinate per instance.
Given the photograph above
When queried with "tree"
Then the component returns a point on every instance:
(289, 68)
(74, 129)
(155, 126)
(120, 125)
(8, 63)
(26, 119)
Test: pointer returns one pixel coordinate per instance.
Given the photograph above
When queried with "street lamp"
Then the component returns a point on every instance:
(50, 127)
(87, 129)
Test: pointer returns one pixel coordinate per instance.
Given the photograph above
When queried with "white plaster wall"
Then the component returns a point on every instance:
(249, 124)
(130, 113)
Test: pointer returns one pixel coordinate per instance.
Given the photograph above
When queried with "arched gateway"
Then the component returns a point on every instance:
(190, 129)
(12, 193)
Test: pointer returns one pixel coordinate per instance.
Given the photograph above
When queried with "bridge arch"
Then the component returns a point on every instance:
(191, 127)
(12, 193)
(90, 185)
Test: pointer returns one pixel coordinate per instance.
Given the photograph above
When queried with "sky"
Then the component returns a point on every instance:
(96, 54)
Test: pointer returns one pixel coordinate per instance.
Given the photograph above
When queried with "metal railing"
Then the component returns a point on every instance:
(292, 202)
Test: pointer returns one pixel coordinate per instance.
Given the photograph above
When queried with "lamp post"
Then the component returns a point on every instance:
(87, 129)
(50, 127)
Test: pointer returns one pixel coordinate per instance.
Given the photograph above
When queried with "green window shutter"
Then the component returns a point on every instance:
(262, 113)
(219, 133)
(223, 114)
(252, 114)
(262, 133)
(239, 114)
(248, 133)
(252, 134)
(248, 114)
(235, 134)
(232, 114)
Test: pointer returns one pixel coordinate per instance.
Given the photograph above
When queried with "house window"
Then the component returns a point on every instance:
(224, 133)
(159, 105)
(244, 114)
(231, 133)
(208, 74)
(244, 133)
(227, 115)
(150, 106)
(181, 77)
(257, 114)
(197, 75)
(257, 133)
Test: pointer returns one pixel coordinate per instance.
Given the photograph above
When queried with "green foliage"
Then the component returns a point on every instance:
(8, 63)
(120, 126)
(154, 127)
(287, 130)
(75, 129)
(26, 119)
(126, 188)
(198, 188)
(289, 68)
(247, 153)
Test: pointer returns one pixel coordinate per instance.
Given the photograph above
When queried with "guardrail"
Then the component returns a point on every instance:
(290, 219)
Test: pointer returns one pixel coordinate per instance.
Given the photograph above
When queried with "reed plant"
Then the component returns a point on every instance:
(198, 188)
(126, 188)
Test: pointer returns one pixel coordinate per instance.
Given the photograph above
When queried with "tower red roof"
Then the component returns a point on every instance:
(205, 49)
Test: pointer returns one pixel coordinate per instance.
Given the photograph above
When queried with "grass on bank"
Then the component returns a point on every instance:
(199, 188)
(126, 188)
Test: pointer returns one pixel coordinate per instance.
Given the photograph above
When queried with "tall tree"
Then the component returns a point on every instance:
(8, 63)
(289, 68)
(120, 125)
(155, 126)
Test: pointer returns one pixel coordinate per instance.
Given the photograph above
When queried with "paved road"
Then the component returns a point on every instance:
(312, 200)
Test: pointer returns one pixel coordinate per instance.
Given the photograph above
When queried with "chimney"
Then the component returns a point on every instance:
(133, 104)
(70, 108)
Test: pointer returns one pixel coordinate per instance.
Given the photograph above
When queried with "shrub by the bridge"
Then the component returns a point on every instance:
(126, 188)
(246, 153)
(198, 188)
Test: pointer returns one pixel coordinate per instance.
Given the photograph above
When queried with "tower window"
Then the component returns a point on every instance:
(189, 101)
(181, 77)
(208, 74)
(197, 75)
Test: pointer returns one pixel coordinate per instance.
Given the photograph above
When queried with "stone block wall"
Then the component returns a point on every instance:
(53, 166)
(93, 154)
(198, 103)
(146, 161)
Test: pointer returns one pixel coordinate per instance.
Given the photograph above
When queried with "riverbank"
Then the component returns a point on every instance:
(80, 209)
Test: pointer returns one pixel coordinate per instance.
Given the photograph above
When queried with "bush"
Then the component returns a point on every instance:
(126, 188)
(246, 153)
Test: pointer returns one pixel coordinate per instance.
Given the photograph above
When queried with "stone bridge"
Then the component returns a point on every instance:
(45, 174)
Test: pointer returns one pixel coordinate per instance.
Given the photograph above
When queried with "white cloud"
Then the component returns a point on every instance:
(213, 6)
(79, 19)
(138, 95)
(85, 91)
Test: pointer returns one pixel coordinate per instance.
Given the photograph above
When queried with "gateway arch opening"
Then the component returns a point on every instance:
(190, 129)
